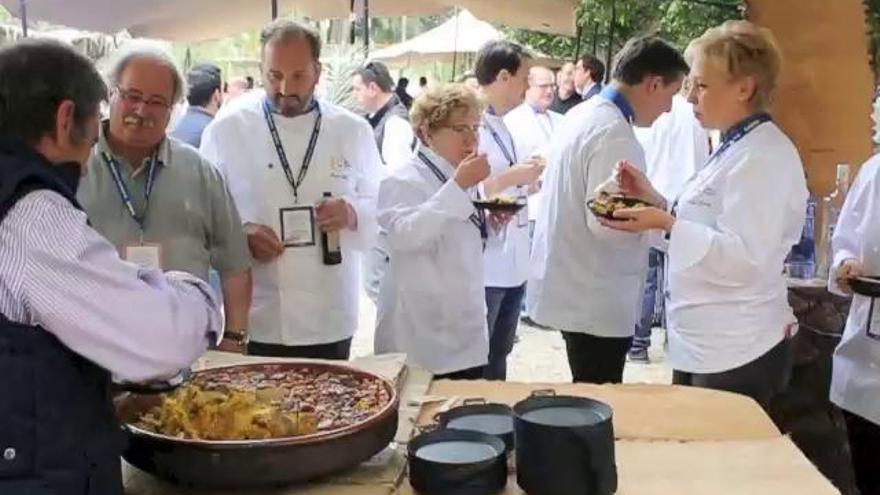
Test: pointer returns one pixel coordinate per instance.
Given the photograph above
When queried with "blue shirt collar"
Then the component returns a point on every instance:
(614, 96)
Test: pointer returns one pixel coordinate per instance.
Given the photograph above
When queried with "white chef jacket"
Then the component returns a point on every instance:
(531, 131)
(584, 277)
(737, 219)
(676, 147)
(855, 381)
(397, 142)
(297, 300)
(432, 301)
(506, 255)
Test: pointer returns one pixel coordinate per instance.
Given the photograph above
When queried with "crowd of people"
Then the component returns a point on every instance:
(109, 229)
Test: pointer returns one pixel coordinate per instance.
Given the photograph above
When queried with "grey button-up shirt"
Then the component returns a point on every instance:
(190, 212)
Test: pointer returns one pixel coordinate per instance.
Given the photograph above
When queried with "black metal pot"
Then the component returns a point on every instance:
(252, 463)
(564, 445)
(478, 415)
(457, 462)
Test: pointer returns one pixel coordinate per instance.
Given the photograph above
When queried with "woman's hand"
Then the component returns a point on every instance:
(850, 268)
(640, 219)
(635, 184)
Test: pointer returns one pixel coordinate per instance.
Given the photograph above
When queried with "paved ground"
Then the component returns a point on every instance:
(539, 355)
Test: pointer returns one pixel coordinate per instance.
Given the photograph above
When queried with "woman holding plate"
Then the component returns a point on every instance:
(731, 228)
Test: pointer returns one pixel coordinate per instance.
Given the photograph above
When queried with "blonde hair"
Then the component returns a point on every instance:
(742, 49)
(434, 107)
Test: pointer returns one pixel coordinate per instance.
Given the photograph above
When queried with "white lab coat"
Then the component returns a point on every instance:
(397, 142)
(432, 301)
(737, 219)
(855, 382)
(297, 300)
(506, 255)
(586, 278)
(676, 147)
(532, 131)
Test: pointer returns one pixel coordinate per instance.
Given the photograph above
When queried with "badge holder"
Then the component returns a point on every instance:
(145, 254)
(297, 226)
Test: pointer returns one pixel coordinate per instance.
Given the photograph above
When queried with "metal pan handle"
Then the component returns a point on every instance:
(473, 401)
(544, 392)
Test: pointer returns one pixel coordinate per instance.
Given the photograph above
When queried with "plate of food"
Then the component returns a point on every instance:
(866, 286)
(500, 204)
(604, 205)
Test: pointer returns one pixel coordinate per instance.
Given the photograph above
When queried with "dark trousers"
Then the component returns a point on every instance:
(475, 373)
(502, 314)
(334, 350)
(596, 359)
(650, 301)
(864, 444)
(760, 379)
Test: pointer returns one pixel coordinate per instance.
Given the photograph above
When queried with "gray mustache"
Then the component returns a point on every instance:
(140, 121)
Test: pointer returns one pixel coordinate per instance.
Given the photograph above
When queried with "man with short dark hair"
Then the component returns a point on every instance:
(587, 279)
(204, 97)
(400, 91)
(373, 91)
(298, 167)
(72, 314)
(566, 96)
(588, 76)
(502, 70)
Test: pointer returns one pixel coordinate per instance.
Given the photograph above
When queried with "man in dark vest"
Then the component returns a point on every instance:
(374, 92)
(72, 314)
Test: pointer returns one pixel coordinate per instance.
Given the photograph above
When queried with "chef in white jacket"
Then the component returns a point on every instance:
(532, 124)
(281, 150)
(431, 301)
(586, 279)
(855, 381)
(731, 228)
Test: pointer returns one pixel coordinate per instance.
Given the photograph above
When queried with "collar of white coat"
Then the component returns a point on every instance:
(442, 164)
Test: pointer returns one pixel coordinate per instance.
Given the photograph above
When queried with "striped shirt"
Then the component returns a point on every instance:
(58, 273)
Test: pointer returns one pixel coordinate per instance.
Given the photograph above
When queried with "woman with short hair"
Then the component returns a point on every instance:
(431, 300)
(731, 228)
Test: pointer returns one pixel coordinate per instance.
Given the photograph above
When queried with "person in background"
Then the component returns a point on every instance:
(156, 199)
(855, 382)
(566, 97)
(373, 91)
(586, 279)
(204, 97)
(402, 95)
(372, 88)
(432, 305)
(73, 315)
(728, 317)
(235, 88)
(282, 151)
(589, 72)
(676, 147)
(502, 69)
(532, 125)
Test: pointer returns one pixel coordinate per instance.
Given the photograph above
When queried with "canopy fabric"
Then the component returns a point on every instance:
(197, 20)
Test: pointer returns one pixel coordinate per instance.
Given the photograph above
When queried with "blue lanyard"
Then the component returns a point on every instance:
(475, 218)
(731, 137)
(125, 194)
(616, 97)
(510, 155)
(295, 183)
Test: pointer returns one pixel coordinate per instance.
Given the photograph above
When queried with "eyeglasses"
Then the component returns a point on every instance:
(134, 97)
(544, 87)
(464, 129)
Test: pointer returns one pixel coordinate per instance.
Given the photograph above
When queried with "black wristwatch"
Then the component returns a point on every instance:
(238, 336)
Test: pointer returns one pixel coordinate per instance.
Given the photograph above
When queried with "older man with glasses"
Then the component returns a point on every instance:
(158, 200)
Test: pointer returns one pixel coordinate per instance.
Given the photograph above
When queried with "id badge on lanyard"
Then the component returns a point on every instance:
(873, 320)
(145, 254)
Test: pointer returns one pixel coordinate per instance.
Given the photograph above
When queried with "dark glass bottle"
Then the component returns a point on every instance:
(330, 246)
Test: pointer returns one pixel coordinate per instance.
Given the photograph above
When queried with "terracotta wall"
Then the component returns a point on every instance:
(824, 101)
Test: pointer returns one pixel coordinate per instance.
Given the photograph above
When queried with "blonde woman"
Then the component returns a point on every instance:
(731, 227)
(431, 300)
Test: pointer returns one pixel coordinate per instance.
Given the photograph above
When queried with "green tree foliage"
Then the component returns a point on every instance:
(678, 21)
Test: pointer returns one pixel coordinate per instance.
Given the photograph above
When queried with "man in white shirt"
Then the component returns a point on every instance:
(373, 90)
(302, 173)
(589, 72)
(532, 125)
(586, 280)
(502, 70)
(676, 147)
